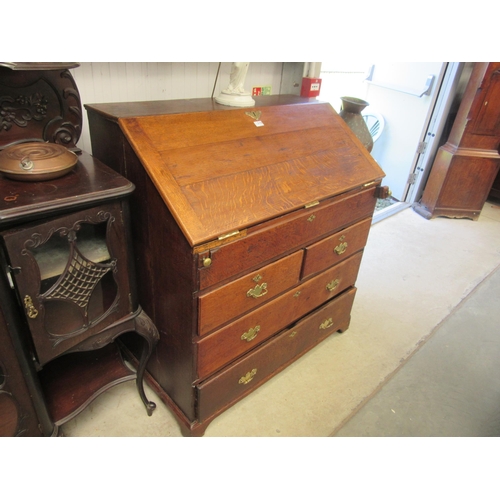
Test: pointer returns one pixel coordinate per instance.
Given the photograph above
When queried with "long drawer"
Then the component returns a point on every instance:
(224, 345)
(221, 305)
(291, 231)
(245, 375)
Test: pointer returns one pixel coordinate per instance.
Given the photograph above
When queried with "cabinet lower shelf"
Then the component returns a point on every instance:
(70, 383)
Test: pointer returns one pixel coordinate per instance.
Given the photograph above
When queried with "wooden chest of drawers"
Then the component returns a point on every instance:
(250, 228)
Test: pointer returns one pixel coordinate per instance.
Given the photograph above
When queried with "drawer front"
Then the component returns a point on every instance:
(251, 371)
(223, 346)
(336, 248)
(286, 233)
(246, 293)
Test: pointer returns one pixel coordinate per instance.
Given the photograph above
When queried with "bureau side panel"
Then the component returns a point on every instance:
(107, 142)
(164, 266)
(166, 279)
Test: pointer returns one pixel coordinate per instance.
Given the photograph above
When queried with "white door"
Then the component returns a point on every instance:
(405, 94)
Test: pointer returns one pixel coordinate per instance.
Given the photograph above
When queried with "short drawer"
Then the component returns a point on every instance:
(246, 293)
(332, 250)
(293, 231)
(240, 378)
(226, 344)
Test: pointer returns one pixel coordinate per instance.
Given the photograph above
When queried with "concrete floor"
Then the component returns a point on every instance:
(419, 359)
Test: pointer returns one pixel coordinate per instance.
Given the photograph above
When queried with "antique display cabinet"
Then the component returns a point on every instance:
(67, 286)
(250, 224)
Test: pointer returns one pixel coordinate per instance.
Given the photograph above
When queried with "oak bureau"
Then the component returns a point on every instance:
(249, 224)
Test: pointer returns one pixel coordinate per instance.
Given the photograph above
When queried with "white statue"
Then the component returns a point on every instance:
(235, 94)
(237, 78)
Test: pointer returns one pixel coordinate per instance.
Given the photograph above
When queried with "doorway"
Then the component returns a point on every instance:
(409, 104)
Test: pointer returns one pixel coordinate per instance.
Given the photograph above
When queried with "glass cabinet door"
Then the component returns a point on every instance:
(71, 276)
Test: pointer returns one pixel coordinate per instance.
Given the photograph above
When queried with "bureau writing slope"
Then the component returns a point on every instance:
(249, 224)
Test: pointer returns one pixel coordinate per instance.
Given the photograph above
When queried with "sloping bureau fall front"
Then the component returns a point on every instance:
(250, 229)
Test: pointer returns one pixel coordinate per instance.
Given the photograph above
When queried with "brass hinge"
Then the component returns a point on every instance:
(312, 204)
(228, 235)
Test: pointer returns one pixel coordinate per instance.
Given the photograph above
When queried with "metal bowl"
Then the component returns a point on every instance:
(36, 161)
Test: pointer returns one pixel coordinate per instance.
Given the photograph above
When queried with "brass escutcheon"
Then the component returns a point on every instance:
(340, 249)
(248, 377)
(254, 114)
(326, 324)
(311, 218)
(257, 278)
(293, 334)
(297, 293)
(258, 291)
(332, 285)
(251, 334)
(30, 308)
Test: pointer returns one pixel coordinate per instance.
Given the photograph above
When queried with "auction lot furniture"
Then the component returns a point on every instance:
(465, 168)
(67, 281)
(250, 224)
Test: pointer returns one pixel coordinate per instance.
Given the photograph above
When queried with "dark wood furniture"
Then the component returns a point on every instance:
(466, 166)
(67, 280)
(66, 252)
(22, 409)
(39, 101)
(495, 188)
(250, 224)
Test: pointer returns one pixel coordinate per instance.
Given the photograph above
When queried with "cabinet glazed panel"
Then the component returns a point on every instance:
(72, 278)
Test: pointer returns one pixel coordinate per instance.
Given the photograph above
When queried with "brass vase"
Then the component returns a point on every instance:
(351, 114)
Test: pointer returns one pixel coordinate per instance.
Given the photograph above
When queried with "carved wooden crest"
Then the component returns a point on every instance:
(39, 105)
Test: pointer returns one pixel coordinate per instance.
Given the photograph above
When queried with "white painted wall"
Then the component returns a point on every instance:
(100, 82)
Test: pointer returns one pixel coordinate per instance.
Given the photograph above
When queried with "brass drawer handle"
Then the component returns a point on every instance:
(251, 334)
(258, 291)
(30, 308)
(248, 377)
(340, 249)
(332, 285)
(326, 324)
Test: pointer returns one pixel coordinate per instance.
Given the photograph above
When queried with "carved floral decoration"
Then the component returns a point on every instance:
(21, 110)
(48, 106)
